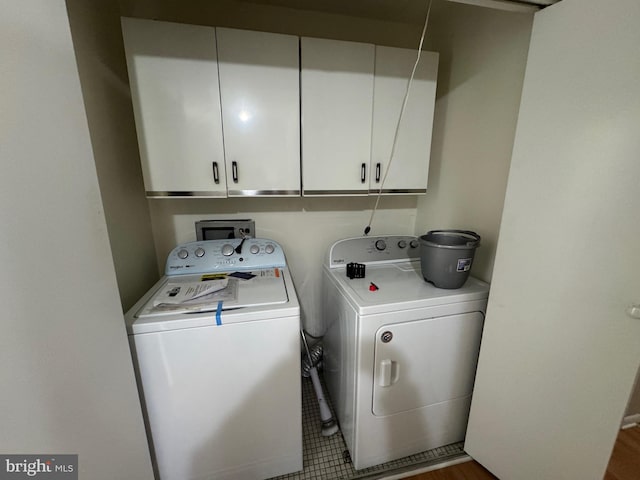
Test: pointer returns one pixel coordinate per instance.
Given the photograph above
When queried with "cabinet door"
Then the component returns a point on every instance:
(410, 166)
(337, 101)
(173, 73)
(66, 375)
(561, 342)
(260, 93)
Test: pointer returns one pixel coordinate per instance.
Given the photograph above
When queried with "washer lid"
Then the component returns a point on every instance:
(400, 286)
(263, 296)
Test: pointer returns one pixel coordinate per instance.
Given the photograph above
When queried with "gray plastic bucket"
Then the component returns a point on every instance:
(446, 256)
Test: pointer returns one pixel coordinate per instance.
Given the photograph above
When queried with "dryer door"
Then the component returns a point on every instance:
(424, 362)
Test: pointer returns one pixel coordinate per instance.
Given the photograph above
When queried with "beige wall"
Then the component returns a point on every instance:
(483, 55)
(95, 27)
(254, 16)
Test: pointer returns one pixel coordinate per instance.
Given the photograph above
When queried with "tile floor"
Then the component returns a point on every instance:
(327, 458)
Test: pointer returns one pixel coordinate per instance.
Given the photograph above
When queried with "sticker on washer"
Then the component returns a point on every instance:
(268, 273)
(464, 264)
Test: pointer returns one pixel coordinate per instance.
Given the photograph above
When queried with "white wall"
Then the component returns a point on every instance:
(65, 368)
(483, 54)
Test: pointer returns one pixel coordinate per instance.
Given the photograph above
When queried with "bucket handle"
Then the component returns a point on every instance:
(464, 232)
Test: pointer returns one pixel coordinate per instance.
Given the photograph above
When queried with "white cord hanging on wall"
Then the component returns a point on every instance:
(404, 104)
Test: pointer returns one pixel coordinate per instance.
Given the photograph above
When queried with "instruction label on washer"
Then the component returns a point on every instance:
(464, 264)
(268, 273)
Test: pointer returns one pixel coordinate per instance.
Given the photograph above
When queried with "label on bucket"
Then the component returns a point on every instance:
(464, 265)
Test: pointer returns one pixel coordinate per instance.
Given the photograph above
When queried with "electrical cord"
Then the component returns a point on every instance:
(404, 105)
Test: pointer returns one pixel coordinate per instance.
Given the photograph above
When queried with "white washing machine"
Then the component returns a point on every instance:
(399, 354)
(219, 374)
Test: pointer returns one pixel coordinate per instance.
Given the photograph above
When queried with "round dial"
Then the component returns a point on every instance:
(402, 244)
(227, 250)
(199, 252)
(381, 245)
(254, 249)
(414, 244)
(269, 248)
(183, 254)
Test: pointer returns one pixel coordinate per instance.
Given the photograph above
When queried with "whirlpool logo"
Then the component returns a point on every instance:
(50, 467)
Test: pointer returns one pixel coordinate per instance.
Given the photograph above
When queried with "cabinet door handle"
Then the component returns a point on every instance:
(378, 168)
(234, 171)
(363, 172)
(216, 173)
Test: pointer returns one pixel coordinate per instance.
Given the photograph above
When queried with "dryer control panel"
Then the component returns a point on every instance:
(385, 248)
(224, 255)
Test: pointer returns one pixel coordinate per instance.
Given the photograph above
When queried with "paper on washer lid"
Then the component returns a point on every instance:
(180, 293)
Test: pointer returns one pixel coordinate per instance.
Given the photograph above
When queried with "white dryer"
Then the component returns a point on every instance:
(399, 354)
(219, 375)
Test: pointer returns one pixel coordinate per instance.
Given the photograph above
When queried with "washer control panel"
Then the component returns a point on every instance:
(223, 255)
(384, 248)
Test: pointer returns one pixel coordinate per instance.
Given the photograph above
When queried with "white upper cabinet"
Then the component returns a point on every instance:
(410, 165)
(173, 72)
(336, 96)
(260, 92)
(218, 113)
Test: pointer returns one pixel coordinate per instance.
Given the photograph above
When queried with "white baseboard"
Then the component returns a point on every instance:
(630, 421)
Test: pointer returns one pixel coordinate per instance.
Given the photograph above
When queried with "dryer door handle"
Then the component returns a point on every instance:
(388, 372)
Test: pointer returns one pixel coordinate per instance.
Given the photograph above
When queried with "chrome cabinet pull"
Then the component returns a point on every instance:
(378, 168)
(363, 172)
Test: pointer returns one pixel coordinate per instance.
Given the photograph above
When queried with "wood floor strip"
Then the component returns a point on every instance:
(462, 471)
(624, 463)
(625, 459)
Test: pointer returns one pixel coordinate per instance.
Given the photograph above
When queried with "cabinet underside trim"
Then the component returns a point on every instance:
(336, 193)
(282, 193)
(264, 193)
(399, 191)
(185, 194)
(308, 193)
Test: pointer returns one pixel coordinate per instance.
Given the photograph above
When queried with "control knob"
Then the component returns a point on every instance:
(269, 248)
(254, 249)
(414, 244)
(227, 250)
(402, 244)
(381, 245)
(199, 252)
(183, 254)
